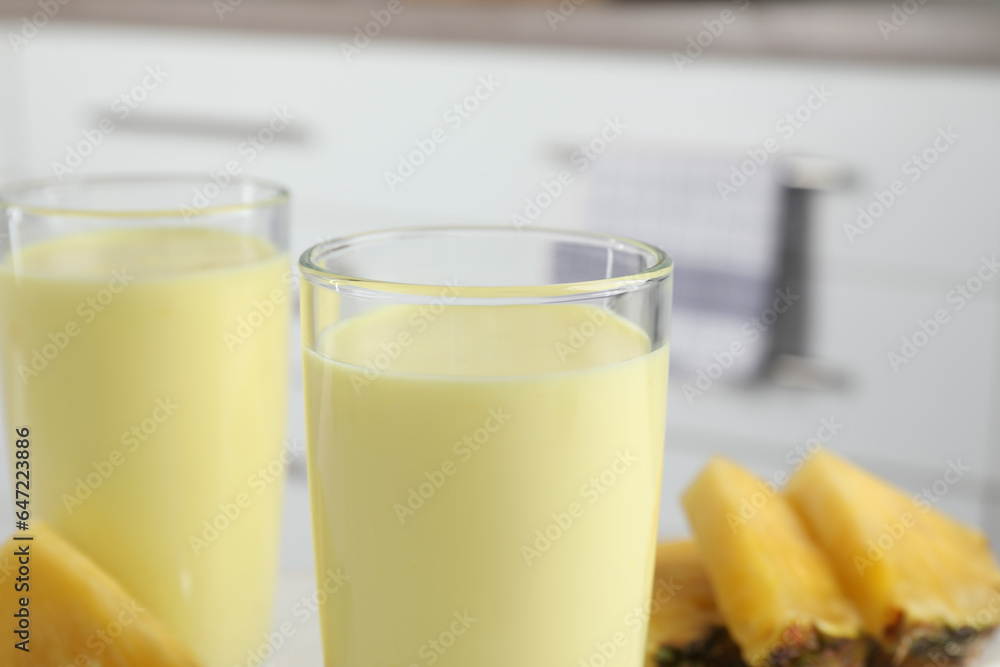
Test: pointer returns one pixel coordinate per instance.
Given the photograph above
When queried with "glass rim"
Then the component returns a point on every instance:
(660, 268)
(13, 195)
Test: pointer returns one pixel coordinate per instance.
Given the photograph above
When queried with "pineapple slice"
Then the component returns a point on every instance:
(685, 627)
(927, 587)
(78, 616)
(774, 587)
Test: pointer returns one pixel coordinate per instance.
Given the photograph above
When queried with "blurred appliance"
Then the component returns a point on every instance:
(737, 229)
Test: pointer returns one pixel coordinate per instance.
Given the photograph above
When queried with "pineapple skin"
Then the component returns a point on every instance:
(687, 629)
(927, 587)
(773, 585)
(79, 614)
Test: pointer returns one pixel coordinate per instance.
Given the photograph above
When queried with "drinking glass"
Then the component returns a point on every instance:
(143, 333)
(485, 417)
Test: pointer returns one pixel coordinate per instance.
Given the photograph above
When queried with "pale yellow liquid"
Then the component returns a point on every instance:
(161, 338)
(570, 406)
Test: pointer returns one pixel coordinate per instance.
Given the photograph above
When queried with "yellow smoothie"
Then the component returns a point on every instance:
(150, 365)
(485, 482)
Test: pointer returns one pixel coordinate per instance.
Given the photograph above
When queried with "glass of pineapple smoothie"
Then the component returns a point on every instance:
(143, 333)
(485, 418)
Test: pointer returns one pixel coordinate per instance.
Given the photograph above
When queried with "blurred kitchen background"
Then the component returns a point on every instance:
(825, 175)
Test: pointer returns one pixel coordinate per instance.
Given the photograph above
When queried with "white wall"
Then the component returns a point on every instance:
(355, 119)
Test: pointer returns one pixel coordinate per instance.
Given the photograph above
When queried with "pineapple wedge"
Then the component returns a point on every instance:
(685, 627)
(927, 587)
(774, 587)
(76, 614)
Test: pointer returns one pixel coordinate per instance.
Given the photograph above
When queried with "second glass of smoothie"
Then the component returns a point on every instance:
(485, 418)
(143, 342)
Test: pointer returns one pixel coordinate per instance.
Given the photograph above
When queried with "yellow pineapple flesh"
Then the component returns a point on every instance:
(774, 587)
(685, 626)
(77, 615)
(927, 587)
